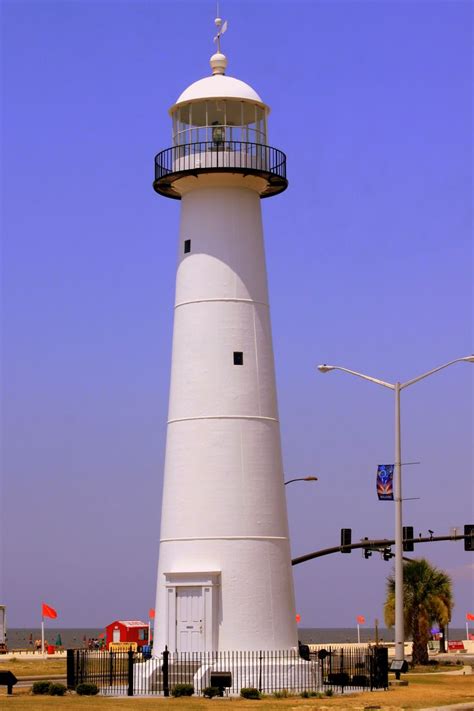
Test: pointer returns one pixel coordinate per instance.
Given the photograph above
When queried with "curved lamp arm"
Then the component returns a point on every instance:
(302, 478)
(466, 359)
(326, 368)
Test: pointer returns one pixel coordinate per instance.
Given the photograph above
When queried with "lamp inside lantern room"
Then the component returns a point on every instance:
(218, 132)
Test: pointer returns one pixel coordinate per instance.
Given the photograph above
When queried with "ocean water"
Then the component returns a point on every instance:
(74, 638)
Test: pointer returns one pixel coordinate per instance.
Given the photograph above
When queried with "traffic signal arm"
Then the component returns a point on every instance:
(374, 544)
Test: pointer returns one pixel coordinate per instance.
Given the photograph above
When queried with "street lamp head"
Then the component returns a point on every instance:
(325, 368)
(311, 478)
(469, 358)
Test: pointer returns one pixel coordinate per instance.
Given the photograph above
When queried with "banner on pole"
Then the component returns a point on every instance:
(385, 482)
(360, 620)
(469, 616)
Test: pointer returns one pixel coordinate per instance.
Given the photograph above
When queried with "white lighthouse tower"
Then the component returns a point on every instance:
(224, 574)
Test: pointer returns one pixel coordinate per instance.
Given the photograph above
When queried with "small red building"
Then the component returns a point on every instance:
(127, 632)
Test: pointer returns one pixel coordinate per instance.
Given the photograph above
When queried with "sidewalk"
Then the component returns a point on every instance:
(459, 707)
(28, 656)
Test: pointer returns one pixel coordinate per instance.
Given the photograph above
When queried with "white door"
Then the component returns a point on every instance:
(116, 636)
(189, 619)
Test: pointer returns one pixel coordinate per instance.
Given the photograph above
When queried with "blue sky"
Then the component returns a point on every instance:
(370, 267)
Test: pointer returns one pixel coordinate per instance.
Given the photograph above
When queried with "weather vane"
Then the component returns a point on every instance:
(221, 27)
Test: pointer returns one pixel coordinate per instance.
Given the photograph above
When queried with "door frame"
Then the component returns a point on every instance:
(209, 582)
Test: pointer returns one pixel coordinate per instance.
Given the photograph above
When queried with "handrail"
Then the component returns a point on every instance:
(220, 155)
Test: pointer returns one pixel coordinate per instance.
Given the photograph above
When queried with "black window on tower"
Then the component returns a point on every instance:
(187, 246)
(238, 358)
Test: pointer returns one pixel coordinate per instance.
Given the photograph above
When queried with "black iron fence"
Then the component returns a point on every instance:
(220, 155)
(134, 673)
(355, 667)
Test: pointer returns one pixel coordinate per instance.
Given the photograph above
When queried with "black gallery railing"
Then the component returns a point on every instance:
(219, 155)
(134, 673)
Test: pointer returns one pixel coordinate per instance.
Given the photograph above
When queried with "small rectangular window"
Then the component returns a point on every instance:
(238, 358)
(187, 246)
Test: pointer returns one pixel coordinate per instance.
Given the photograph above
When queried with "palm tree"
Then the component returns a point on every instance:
(427, 598)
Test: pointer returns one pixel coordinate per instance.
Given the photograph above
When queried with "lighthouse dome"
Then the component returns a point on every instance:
(219, 86)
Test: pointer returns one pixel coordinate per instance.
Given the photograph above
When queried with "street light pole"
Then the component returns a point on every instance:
(399, 619)
(397, 388)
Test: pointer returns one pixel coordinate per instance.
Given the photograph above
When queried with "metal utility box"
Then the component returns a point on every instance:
(221, 680)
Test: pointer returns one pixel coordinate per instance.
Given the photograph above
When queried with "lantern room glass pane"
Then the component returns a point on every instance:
(218, 121)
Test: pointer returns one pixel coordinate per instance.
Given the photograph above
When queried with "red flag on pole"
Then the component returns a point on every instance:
(360, 620)
(151, 613)
(298, 618)
(47, 611)
(469, 616)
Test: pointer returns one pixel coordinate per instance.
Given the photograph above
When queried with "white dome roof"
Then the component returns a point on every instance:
(219, 86)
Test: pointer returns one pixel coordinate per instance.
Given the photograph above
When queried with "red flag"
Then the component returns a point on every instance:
(469, 616)
(47, 611)
(151, 613)
(360, 620)
(298, 618)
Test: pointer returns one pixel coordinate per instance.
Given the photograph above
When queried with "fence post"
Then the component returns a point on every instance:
(130, 673)
(80, 663)
(111, 669)
(341, 670)
(164, 669)
(71, 677)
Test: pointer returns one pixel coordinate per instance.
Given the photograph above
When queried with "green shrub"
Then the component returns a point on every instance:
(87, 689)
(250, 692)
(283, 694)
(210, 691)
(182, 690)
(41, 687)
(328, 692)
(57, 690)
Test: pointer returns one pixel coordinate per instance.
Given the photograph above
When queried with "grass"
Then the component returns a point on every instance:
(433, 668)
(34, 667)
(422, 692)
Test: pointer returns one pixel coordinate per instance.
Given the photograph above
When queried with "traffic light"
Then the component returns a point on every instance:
(367, 552)
(346, 539)
(469, 540)
(408, 544)
(387, 553)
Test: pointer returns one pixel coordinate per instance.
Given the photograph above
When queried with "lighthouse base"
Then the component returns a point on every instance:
(269, 672)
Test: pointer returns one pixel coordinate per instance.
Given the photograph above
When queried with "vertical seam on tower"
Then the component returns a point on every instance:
(242, 475)
(256, 362)
(271, 597)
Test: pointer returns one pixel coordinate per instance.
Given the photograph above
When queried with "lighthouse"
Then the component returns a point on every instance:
(224, 574)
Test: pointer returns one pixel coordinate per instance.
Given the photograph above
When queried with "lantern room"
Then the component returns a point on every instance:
(217, 109)
(219, 123)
